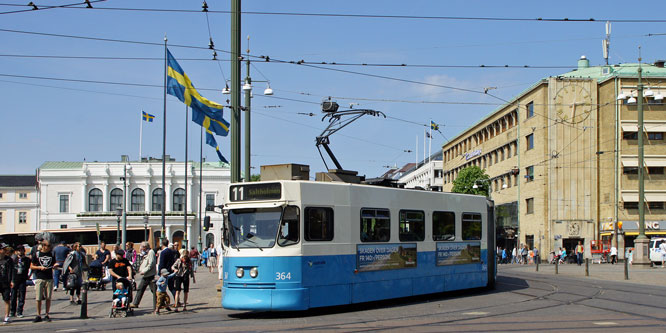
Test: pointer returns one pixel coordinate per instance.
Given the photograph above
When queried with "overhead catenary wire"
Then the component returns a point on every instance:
(34, 7)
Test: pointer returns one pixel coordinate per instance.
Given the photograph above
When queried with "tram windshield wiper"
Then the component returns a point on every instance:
(250, 235)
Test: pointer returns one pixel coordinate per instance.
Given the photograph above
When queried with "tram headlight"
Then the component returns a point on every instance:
(254, 272)
(240, 272)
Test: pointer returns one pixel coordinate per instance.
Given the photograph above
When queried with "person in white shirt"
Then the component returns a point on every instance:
(613, 254)
(662, 249)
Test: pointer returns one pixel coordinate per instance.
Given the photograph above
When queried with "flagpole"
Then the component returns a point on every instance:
(200, 185)
(164, 129)
(425, 132)
(140, 134)
(416, 159)
(430, 155)
(186, 183)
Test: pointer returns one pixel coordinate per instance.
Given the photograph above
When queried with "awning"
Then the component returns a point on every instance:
(635, 233)
(649, 162)
(648, 127)
(649, 197)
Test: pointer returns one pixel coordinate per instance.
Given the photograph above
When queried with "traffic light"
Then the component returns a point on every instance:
(206, 225)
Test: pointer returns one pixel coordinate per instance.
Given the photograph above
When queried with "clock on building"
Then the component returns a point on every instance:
(573, 103)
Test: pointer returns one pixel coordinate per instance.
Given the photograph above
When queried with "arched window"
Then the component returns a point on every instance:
(158, 200)
(179, 200)
(116, 199)
(138, 200)
(95, 200)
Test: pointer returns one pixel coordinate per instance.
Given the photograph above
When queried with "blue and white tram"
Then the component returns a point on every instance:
(294, 245)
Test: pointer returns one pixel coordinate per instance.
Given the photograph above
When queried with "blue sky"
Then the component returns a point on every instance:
(43, 120)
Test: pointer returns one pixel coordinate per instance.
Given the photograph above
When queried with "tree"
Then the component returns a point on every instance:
(255, 178)
(466, 179)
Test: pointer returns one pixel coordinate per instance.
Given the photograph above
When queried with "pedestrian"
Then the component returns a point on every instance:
(162, 297)
(21, 271)
(183, 269)
(613, 254)
(6, 277)
(563, 255)
(537, 258)
(212, 258)
(166, 261)
(130, 253)
(523, 254)
(61, 251)
(42, 265)
(514, 258)
(662, 249)
(74, 266)
(504, 256)
(147, 270)
(115, 249)
(120, 267)
(194, 259)
(204, 258)
(105, 256)
(120, 295)
(579, 253)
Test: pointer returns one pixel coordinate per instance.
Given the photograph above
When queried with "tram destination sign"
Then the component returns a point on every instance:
(255, 192)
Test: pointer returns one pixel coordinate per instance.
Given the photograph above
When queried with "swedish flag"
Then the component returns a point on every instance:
(210, 140)
(147, 116)
(219, 127)
(434, 126)
(179, 85)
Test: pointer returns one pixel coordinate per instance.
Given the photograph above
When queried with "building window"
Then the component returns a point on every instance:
(95, 200)
(158, 200)
(656, 170)
(0, 217)
(23, 218)
(529, 174)
(116, 199)
(64, 203)
(630, 205)
(529, 141)
(138, 200)
(530, 110)
(655, 136)
(443, 226)
(471, 226)
(656, 205)
(515, 180)
(23, 195)
(179, 200)
(375, 225)
(529, 205)
(508, 151)
(318, 224)
(630, 170)
(630, 135)
(501, 154)
(210, 202)
(412, 226)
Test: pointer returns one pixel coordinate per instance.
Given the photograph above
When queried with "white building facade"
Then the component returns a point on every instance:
(427, 175)
(77, 198)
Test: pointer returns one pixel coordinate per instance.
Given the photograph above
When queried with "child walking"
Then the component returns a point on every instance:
(162, 297)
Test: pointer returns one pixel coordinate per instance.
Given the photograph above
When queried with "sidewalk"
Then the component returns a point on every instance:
(655, 276)
(202, 297)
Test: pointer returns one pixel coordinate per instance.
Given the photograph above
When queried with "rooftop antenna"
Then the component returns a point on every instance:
(606, 42)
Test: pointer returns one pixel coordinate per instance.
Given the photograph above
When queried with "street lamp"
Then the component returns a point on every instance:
(119, 213)
(145, 227)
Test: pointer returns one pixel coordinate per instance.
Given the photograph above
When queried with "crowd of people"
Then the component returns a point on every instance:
(48, 268)
(520, 255)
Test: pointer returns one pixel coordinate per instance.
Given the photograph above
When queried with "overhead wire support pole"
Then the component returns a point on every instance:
(164, 129)
(185, 233)
(235, 90)
(335, 124)
(248, 98)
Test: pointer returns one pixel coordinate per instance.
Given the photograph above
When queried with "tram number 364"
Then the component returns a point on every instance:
(282, 276)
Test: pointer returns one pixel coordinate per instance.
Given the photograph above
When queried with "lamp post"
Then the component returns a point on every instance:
(641, 241)
(119, 213)
(124, 206)
(145, 227)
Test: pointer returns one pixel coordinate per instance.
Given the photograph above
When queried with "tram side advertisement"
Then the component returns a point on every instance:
(380, 257)
(458, 253)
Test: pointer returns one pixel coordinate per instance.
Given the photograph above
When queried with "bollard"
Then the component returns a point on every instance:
(84, 300)
(557, 267)
(626, 269)
(587, 267)
(537, 264)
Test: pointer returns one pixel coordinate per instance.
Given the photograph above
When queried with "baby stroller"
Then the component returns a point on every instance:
(119, 309)
(95, 278)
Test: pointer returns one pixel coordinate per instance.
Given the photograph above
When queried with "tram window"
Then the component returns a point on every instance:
(375, 225)
(471, 226)
(412, 225)
(289, 234)
(443, 226)
(318, 224)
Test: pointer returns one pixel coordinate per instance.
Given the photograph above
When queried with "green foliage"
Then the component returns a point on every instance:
(466, 179)
(255, 178)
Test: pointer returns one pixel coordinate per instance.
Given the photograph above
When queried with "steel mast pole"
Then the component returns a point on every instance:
(235, 90)
(184, 245)
(641, 242)
(200, 185)
(164, 130)
(248, 97)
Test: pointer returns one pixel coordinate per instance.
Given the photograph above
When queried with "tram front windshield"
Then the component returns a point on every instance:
(254, 227)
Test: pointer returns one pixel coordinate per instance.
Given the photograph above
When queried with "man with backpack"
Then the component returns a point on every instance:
(6, 277)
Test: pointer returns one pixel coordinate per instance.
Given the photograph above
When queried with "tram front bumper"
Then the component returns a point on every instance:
(265, 299)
